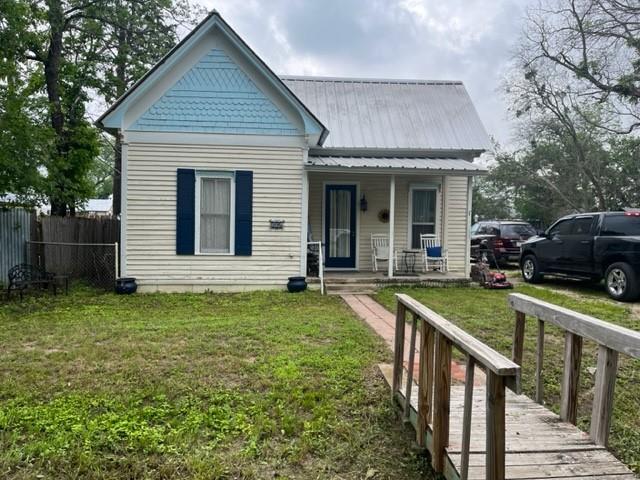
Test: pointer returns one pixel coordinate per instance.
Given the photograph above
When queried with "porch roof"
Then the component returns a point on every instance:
(396, 163)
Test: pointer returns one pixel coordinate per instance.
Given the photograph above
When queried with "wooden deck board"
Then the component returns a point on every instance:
(538, 444)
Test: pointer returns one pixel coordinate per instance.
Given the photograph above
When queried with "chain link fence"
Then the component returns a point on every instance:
(94, 264)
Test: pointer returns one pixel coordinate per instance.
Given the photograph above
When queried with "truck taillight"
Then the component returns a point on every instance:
(632, 214)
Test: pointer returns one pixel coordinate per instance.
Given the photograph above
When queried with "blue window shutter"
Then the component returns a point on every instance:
(244, 212)
(185, 211)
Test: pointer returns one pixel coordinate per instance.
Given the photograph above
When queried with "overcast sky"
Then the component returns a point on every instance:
(468, 40)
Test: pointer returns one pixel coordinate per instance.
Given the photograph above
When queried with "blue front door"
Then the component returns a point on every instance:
(340, 226)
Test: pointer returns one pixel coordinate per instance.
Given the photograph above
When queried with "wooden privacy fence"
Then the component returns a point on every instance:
(437, 337)
(611, 340)
(491, 431)
(80, 248)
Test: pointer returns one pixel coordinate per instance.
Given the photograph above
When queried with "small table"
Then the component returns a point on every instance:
(410, 256)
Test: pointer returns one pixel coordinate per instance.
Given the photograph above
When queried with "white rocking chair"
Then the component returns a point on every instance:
(379, 249)
(435, 256)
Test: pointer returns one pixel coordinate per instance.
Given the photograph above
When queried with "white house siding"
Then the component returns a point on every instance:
(452, 211)
(457, 218)
(151, 217)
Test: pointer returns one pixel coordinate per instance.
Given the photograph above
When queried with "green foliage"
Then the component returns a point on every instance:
(68, 181)
(102, 170)
(25, 145)
(54, 56)
(252, 385)
(490, 201)
(567, 164)
(573, 92)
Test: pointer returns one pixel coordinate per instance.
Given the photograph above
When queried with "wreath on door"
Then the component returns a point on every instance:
(383, 215)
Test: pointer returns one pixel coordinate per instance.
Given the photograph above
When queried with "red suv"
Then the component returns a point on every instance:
(502, 237)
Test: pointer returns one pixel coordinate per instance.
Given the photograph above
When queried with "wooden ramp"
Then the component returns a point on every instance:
(487, 429)
(538, 444)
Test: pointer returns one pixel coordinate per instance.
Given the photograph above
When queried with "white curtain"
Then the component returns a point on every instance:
(423, 211)
(215, 213)
(339, 223)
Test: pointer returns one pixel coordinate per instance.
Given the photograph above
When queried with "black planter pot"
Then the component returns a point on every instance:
(126, 285)
(296, 284)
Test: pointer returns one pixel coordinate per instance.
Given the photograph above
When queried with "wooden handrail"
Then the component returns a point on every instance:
(485, 355)
(604, 333)
(611, 339)
(437, 337)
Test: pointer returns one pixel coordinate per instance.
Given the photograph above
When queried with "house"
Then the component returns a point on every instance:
(97, 207)
(228, 168)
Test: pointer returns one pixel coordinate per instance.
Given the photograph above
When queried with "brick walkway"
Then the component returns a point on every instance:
(383, 322)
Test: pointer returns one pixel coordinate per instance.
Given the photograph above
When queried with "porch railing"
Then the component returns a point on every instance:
(437, 337)
(320, 264)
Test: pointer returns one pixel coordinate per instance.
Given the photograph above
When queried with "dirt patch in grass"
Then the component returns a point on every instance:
(486, 315)
(260, 385)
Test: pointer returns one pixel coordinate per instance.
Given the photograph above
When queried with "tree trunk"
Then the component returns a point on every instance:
(52, 81)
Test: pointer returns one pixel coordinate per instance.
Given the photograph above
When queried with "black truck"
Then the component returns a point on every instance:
(589, 246)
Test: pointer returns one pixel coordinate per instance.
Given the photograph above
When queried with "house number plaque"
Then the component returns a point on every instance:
(276, 224)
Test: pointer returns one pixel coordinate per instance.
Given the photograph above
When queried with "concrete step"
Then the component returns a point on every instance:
(350, 289)
(351, 280)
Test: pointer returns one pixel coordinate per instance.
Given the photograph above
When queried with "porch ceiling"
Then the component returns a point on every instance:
(395, 163)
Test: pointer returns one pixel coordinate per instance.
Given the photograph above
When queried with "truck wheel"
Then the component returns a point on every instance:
(621, 282)
(531, 269)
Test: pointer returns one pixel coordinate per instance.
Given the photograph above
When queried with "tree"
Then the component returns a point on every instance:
(595, 44)
(54, 54)
(544, 180)
(22, 133)
(574, 101)
(490, 200)
(52, 49)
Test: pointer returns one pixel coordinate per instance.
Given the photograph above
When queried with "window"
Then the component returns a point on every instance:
(582, 226)
(423, 214)
(621, 225)
(561, 228)
(488, 229)
(214, 212)
(517, 230)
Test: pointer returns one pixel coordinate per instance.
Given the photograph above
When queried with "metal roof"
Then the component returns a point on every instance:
(440, 164)
(392, 114)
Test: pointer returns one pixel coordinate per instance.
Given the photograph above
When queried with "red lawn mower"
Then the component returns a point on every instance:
(481, 272)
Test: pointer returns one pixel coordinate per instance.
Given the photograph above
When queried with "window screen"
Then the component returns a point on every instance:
(423, 214)
(215, 215)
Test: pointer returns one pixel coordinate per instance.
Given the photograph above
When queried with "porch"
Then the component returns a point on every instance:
(400, 199)
(339, 283)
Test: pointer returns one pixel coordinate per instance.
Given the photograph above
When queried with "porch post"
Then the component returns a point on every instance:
(392, 218)
(304, 223)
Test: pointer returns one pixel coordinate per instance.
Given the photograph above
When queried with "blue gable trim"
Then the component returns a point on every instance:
(113, 118)
(215, 96)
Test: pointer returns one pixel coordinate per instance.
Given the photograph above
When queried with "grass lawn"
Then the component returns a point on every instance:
(485, 314)
(259, 385)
